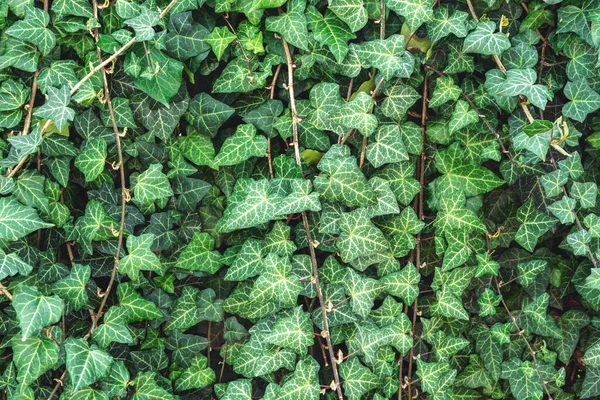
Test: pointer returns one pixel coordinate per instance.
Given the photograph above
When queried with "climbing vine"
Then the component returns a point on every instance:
(299, 199)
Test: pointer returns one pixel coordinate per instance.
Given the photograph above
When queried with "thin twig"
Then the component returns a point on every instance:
(5, 292)
(313, 257)
(59, 384)
(239, 43)
(34, 88)
(117, 134)
(223, 363)
(272, 96)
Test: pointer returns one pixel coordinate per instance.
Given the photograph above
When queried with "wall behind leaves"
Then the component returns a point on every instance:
(299, 199)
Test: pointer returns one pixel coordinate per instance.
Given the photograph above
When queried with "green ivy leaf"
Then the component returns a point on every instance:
(92, 158)
(534, 223)
(56, 107)
(138, 308)
(152, 185)
(330, 31)
(73, 287)
(294, 332)
(241, 146)
(34, 310)
(114, 328)
(33, 357)
(342, 180)
(86, 364)
(140, 256)
(484, 41)
(34, 29)
(358, 379)
(292, 25)
(584, 100)
(359, 237)
(199, 255)
(352, 12)
(415, 12)
(143, 24)
(442, 24)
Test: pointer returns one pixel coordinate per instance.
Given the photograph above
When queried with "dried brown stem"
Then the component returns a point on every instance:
(34, 88)
(241, 46)
(420, 207)
(5, 292)
(313, 257)
(117, 134)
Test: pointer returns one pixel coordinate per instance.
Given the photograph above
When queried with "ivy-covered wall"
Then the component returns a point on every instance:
(299, 199)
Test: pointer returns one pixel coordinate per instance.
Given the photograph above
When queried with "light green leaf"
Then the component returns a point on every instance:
(139, 309)
(294, 332)
(488, 301)
(56, 107)
(534, 223)
(415, 12)
(387, 147)
(462, 116)
(114, 328)
(359, 237)
(277, 283)
(185, 311)
(358, 379)
(219, 39)
(342, 181)
(147, 388)
(92, 158)
(152, 185)
(442, 24)
(199, 255)
(243, 145)
(143, 24)
(330, 31)
(140, 256)
(585, 193)
(563, 209)
(292, 25)
(352, 12)
(484, 41)
(445, 90)
(400, 98)
(389, 56)
(403, 284)
(357, 114)
(251, 204)
(197, 376)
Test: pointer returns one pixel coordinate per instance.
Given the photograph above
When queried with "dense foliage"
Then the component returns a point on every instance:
(298, 199)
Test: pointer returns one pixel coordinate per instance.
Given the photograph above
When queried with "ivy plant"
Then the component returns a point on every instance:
(299, 199)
